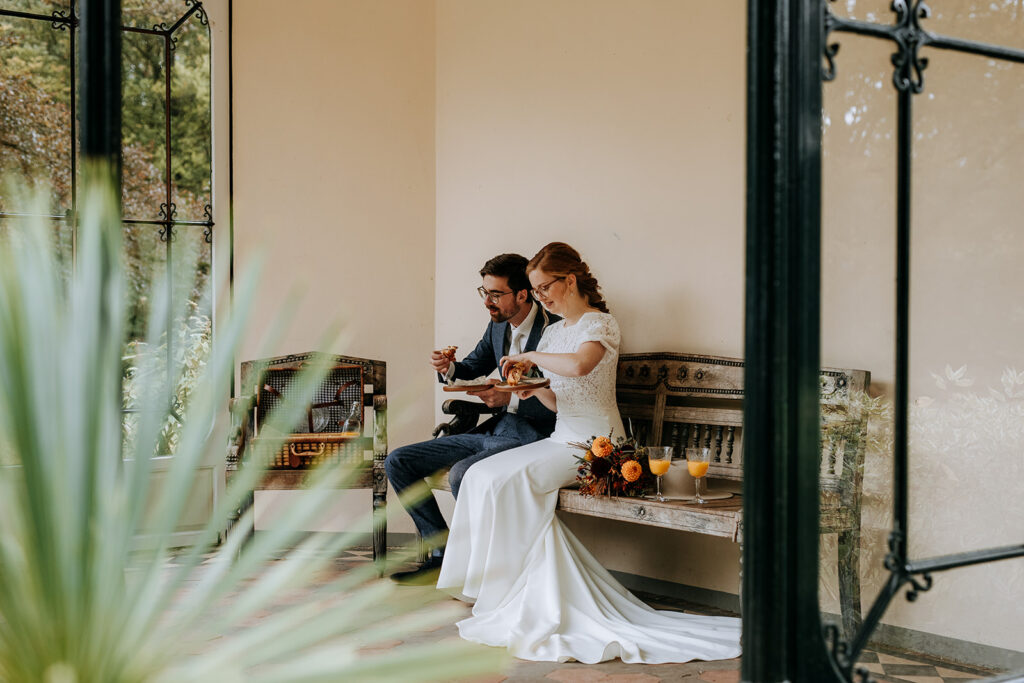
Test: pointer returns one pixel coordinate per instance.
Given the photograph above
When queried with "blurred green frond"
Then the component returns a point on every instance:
(79, 601)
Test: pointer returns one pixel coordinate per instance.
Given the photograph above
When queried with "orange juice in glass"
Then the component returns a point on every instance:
(659, 459)
(697, 462)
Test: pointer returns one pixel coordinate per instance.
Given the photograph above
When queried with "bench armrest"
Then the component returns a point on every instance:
(240, 415)
(465, 415)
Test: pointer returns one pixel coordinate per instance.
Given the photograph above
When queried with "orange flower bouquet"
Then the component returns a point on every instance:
(614, 468)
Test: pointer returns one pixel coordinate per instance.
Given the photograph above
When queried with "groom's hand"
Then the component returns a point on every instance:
(490, 397)
(440, 361)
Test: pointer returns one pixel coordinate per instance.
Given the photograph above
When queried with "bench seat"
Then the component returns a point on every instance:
(683, 400)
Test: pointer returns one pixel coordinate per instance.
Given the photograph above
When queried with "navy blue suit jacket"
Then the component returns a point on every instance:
(483, 360)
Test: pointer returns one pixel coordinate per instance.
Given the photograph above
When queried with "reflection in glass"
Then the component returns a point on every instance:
(966, 411)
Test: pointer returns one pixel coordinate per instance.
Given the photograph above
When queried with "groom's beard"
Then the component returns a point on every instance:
(498, 316)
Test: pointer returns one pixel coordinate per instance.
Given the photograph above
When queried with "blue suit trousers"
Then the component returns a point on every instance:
(409, 465)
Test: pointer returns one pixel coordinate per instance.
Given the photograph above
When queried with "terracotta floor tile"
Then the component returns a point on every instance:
(632, 678)
(577, 675)
(723, 676)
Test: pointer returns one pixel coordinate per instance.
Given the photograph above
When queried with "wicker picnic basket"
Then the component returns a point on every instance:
(330, 431)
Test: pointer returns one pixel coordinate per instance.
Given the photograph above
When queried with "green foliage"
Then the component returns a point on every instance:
(192, 345)
(35, 131)
(80, 602)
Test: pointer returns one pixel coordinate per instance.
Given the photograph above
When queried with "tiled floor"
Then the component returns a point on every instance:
(885, 667)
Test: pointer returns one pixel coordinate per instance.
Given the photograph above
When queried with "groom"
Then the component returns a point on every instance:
(517, 323)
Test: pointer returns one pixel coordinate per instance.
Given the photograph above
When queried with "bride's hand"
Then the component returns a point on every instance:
(507, 361)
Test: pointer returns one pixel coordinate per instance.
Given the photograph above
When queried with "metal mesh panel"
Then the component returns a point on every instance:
(331, 402)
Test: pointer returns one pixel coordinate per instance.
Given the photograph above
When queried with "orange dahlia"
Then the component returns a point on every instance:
(602, 447)
(631, 470)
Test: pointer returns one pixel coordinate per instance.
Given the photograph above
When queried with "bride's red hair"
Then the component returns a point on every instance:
(558, 258)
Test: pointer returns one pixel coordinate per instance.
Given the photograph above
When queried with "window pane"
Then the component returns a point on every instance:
(149, 13)
(190, 121)
(857, 291)
(150, 273)
(998, 22)
(967, 320)
(878, 11)
(966, 411)
(143, 127)
(35, 110)
(145, 261)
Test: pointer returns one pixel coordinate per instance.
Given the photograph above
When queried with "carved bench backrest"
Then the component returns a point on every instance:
(686, 400)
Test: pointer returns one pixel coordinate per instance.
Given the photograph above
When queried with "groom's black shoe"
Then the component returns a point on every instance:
(424, 575)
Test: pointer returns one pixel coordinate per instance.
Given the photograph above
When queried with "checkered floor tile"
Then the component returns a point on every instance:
(910, 668)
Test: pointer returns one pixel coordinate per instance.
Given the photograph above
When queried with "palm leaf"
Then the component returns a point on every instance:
(86, 589)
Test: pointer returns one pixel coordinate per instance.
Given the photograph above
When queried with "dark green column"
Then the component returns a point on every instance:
(100, 87)
(782, 638)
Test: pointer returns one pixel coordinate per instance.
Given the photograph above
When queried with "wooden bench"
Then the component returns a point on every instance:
(689, 400)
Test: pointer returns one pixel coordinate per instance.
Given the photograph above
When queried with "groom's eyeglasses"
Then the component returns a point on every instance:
(542, 290)
(493, 297)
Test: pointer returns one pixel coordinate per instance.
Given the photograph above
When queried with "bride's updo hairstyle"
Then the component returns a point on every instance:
(558, 258)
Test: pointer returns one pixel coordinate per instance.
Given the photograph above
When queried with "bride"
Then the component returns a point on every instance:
(536, 589)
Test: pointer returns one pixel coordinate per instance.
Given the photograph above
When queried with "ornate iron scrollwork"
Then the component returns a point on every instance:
(208, 231)
(828, 72)
(168, 211)
(906, 32)
(200, 11)
(918, 586)
(910, 37)
(167, 214)
(61, 19)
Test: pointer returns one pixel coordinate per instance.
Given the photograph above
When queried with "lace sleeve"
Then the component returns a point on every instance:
(601, 328)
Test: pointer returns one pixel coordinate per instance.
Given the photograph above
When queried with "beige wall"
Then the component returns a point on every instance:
(619, 127)
(599, 124)
(334, 185)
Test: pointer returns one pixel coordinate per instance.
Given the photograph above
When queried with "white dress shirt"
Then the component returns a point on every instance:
(520, 335)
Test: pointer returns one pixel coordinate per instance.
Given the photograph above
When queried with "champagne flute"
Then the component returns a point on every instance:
(697, 462)
(659, 458)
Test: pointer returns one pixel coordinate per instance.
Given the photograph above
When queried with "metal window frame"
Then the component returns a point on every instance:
(98, 139)
(97, 67)
(788, 60)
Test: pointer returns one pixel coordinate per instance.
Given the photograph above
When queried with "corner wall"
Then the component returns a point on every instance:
(334, 188)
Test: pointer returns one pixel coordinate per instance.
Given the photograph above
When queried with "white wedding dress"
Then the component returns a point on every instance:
(537, 590)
